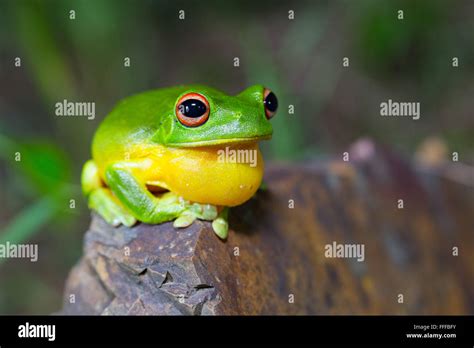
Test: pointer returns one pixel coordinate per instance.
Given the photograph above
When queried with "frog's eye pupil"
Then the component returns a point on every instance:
(192, 109)
(270, 103)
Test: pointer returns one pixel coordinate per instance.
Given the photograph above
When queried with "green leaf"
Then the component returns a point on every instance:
(28, 221)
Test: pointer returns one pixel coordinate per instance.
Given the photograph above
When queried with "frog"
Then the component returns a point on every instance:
(156, 156)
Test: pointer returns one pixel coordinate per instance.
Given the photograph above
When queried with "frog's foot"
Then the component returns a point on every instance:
(195, 211)
(204, 212)
(109, 207)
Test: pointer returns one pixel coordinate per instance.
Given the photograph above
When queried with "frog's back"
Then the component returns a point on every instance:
(132, 123)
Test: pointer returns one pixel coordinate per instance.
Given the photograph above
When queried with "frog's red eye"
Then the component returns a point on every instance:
(192, 109)
(270, 103)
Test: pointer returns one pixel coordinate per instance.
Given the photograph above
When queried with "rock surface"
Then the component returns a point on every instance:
(274, 259)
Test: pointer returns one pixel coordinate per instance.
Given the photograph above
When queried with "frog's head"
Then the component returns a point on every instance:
(200, 116)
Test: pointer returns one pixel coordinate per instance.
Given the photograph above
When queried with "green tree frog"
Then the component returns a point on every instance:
(155, 156)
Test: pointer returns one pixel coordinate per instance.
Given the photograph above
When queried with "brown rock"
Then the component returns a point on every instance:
(275, 254)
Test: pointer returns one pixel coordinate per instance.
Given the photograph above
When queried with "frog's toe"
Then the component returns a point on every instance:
(220, 224)
(220, 227)
(184, 220)
(203, 211)
(118, 217)
(127, 219)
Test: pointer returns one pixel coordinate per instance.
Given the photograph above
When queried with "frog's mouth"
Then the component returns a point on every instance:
(223, 141)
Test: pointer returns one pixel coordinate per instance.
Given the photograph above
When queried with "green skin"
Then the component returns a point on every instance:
(149, 118)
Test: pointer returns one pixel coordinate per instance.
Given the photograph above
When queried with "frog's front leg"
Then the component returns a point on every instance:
(126, 181)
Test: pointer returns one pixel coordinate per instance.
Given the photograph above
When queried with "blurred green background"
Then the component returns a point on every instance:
(301, 60)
